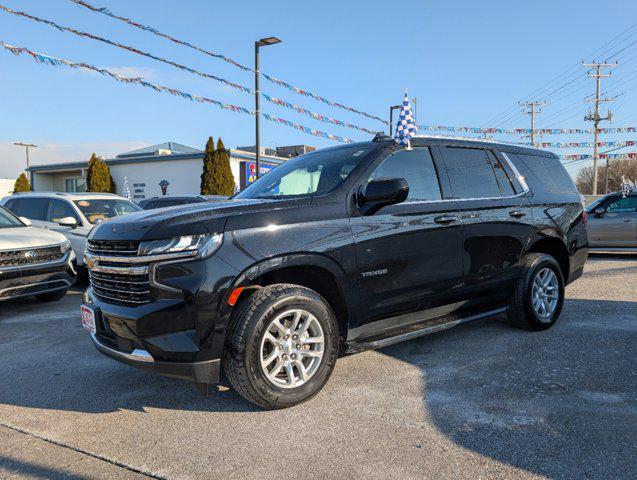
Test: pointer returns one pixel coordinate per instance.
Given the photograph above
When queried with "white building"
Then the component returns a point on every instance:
(6, 186)
(147, 169)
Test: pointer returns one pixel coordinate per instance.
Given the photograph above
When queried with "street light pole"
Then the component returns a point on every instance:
(391, 117)
(260, 43)
(26, 146)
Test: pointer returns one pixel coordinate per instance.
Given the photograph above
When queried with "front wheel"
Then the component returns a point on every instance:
(281, 346)
(537, 300)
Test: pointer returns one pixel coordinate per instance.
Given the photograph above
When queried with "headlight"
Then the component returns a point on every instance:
(203, 245)
(66, 246)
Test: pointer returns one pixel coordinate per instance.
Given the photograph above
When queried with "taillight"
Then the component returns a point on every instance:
(585, 217)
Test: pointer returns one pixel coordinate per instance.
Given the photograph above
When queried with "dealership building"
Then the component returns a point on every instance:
(171, 165)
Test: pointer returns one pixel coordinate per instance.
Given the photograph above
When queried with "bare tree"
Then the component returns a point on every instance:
(617, 168)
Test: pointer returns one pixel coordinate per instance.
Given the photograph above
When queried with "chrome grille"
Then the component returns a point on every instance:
(119, 288)
(118, 281)
(30, 256)
(121, 248)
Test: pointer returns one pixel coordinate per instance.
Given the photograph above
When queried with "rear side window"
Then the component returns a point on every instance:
(417, 168)
(61, 209)
(546, 171)
(471, 173)
(31, 208)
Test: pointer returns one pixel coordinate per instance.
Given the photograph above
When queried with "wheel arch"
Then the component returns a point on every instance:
(556, 247)
(315, 271)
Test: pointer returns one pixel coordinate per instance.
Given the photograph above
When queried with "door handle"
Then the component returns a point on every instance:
(517, 214)
(445, 219)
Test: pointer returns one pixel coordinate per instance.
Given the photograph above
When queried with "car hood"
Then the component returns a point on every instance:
(192, 219)
(26, 237)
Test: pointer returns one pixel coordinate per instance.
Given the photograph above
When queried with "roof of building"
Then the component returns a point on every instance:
(71, 195)
(173, 147)
(149, 154)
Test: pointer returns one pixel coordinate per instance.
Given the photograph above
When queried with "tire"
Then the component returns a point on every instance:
(522, 311)
(51, 296)
(253, 334)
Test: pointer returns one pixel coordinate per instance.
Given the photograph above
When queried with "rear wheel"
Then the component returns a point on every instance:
(51, 296)
(537, 300)
(281, 346)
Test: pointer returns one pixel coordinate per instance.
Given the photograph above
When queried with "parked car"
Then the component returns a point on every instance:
(72, 214)
(339, 250)
(33, 261)
(612, 223)
(170, 201)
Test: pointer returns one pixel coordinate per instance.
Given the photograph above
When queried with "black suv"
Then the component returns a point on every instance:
(339, 250)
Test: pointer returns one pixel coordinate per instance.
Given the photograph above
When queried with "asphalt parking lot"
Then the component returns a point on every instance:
(481, 401)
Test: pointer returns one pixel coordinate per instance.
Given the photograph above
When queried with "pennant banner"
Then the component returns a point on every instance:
(281, 83)
(622, 156)
(41, 58)
(521, 131)
(629, 143)
(236, 86)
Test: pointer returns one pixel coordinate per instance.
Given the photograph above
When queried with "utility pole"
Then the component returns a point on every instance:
(594, 116)
(533, 108)
(26, 146)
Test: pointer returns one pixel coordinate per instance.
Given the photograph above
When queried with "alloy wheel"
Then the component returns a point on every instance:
(545, 294)
(292, 348)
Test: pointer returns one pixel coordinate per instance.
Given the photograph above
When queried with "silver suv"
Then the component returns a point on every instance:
(612, 223)
(72, 214)
(33, 261)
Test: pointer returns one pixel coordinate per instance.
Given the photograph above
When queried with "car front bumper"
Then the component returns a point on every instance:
(206, 371)
(35, 279)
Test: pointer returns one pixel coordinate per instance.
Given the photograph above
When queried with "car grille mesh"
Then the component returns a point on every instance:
(31, 256)
(111, 286)
(113, 247)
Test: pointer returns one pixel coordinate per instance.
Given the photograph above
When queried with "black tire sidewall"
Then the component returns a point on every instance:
(262, 318)
(543, 262)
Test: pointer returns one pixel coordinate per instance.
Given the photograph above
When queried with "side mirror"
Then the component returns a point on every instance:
(600, 211)
(382, 193)
(25, 220)
(67, 222)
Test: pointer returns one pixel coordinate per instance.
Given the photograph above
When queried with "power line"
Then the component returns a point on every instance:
(574, 70)
(276, 81)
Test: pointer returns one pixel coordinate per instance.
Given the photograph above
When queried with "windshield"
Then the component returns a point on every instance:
(100, 210)
(7, 220)
(314, 173)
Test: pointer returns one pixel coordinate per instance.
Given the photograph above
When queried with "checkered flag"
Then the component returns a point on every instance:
(126, 189)
(406, 127)
(626, 186)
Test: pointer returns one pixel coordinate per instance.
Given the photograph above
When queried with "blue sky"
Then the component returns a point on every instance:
(466, 62)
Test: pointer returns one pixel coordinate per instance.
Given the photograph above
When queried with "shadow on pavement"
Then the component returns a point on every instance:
(32, 470)
(559, 403)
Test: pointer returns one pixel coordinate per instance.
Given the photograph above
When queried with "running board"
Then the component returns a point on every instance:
(421, 332)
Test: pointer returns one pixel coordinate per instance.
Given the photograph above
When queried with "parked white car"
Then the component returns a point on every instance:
(33, 261)
(72, 214)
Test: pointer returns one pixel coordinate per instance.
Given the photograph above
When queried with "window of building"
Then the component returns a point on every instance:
(417, 168)
(73, 185)
(471, 173)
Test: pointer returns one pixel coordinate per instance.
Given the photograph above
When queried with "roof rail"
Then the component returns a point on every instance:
(477, 140)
